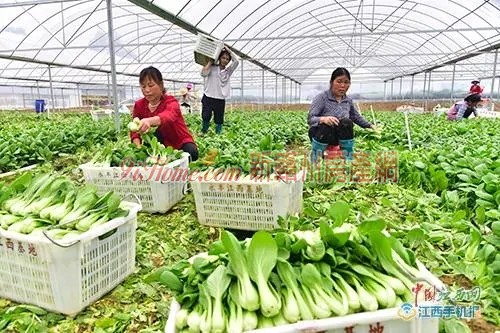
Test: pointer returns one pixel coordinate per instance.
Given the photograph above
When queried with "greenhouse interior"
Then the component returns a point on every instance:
(249, 166)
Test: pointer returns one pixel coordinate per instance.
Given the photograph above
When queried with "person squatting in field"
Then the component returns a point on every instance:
(332, 115)
(157, 109)
(463, 109)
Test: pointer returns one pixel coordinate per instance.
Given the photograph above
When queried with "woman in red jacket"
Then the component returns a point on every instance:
(475, 88)
(157, 109)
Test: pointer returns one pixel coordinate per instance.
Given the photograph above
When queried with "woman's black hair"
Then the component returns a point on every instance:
(339, 72)
(224, 51)
(154, 74)
(473, 98)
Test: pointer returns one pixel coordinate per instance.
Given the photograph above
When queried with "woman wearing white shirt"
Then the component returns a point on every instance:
(217, 89)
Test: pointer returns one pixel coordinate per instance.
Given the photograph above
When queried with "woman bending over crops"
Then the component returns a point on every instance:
(159, 110)
(217, 89)
(465, 108)
(332, 115)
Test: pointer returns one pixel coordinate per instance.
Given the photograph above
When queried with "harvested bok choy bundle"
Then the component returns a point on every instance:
(41, 202)
(128, 154)
(283, 277)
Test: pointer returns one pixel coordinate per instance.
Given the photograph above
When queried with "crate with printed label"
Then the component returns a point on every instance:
(159, 187)
(67, 275)
(401, 319)
(248, 203)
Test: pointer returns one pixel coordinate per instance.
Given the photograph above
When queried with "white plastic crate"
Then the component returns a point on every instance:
(485, 113)
(247, 204)
(410, 109)
(101, 114)
(207, 48)
(386, 320)
(158, 187)
(34, 270)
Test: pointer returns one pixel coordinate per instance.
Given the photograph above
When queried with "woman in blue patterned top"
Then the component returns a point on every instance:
(332, 115)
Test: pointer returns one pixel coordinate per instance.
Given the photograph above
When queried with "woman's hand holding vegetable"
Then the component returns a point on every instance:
(146, 124)
(329, 120)
(376, 129)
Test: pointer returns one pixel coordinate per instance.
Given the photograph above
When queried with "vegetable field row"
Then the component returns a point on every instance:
(443, 206)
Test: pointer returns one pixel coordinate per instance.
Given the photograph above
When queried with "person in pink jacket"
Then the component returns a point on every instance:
(465, 108)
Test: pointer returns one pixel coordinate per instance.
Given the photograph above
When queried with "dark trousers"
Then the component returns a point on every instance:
(468, 112)
(187, 106)
(241, 234)
(209, 105)
(191, 149)
(332, 134)
(188, 147)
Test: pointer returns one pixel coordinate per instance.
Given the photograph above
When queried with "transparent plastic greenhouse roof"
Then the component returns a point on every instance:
(303, 40)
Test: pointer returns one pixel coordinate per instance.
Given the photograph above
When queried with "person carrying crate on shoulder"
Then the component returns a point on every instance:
(331, 117)
(157, 109)
(217, 89)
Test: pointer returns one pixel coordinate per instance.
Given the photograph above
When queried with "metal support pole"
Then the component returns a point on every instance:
(494, 74)
(295, 92)
(263, 97)
(78, 99)
(291, 89)
(51, 93)
(429, 85)
(425, 85)
(38, 89)
(428, 91)
(385, 90)
(401, 88)
(62, 96)
(412, 85)
(392, 88)
(112, 61)
(109, 91)
(284, 90)
(242, 90)
(300, 92)
(276, 89)
(498, 92)
(453, 82)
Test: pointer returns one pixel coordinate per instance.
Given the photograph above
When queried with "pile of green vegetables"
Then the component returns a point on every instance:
(35, 203)
(267, 158)
(150, 152)
(276, 279)
(26, 139)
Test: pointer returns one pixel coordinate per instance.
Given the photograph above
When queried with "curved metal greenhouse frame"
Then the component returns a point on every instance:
(296, 42)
